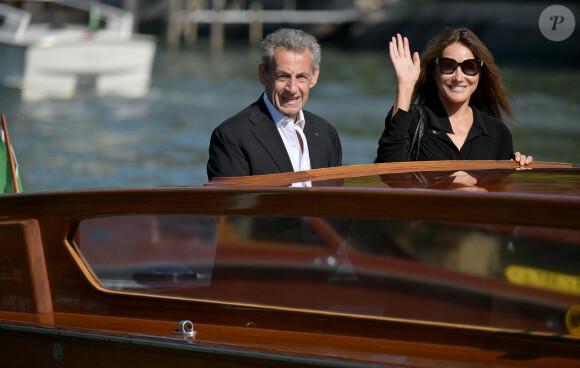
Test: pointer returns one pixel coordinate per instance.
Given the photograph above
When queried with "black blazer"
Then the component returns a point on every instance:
(488, 138)
(248, 143)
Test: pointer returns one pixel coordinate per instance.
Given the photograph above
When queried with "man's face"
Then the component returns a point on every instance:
(288, 80)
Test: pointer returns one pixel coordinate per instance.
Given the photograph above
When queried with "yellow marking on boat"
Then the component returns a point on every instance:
(543, 279)
(573, 320)
(369, 181)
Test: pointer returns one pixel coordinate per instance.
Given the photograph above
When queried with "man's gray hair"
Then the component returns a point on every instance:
(289, 39)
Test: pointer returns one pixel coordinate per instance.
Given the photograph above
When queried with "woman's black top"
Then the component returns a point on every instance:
(488, 138)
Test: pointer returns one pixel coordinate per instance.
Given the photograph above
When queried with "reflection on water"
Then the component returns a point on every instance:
(162, 139)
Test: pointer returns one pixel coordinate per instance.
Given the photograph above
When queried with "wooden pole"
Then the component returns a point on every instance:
(256, 26)
(10, 157)
(190, 28)
(173, 33)
(217, 34)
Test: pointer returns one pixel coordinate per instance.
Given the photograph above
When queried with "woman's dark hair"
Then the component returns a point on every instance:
(490, 96)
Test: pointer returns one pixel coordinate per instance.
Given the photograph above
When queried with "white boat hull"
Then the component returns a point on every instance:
(44, 61)
(66, 70)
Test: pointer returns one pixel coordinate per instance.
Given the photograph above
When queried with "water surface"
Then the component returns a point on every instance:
(162, 139)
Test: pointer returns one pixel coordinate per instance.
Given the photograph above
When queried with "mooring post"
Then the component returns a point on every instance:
(190, 28)
(256, 25)
(217, 27)
(173, 25)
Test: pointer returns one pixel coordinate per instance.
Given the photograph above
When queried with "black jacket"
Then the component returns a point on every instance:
(249, 144)
(488, 138)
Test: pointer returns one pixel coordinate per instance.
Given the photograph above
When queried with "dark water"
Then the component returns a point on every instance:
(162, 139)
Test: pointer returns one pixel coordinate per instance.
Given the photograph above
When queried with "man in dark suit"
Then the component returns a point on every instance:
(275, 134)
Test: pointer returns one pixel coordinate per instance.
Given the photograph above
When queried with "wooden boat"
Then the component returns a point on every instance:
(423, 264)
(83, 47)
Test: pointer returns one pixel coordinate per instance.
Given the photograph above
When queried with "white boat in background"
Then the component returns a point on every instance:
(95, 52)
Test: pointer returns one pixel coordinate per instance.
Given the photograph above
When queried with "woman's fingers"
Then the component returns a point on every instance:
(393, 47)
(399, 48)
(406, 48)
(416, 58)
(406, 66)
(522, 159)
(400, 45)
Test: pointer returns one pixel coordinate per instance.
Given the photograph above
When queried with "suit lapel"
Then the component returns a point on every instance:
(265, 131)
(315, 149)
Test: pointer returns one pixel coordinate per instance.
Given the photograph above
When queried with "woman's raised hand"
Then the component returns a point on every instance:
(407, 68)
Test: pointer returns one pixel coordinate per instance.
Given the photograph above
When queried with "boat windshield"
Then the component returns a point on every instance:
(523, 278)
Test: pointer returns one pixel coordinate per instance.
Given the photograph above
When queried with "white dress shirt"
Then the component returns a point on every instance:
(288, 131)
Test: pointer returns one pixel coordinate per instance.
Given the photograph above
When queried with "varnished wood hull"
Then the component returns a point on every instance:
(55, 309)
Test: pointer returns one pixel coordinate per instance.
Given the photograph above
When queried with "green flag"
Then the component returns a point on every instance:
(6, 183)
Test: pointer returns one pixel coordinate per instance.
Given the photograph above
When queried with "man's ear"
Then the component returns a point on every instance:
(262, 74)
(314, 78)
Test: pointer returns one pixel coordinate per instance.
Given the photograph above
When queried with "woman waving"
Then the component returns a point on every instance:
(461, 103)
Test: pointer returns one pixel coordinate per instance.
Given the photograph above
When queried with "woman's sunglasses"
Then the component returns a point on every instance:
(469, 67)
